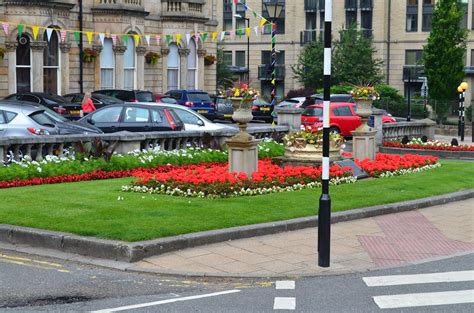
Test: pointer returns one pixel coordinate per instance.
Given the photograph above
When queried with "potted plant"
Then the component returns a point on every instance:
(209, 59)
(363, 97)
(152, 57)
(242, 98)
(89, 55)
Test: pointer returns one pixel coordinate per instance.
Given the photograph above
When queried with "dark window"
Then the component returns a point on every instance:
(412, 16)
(413, 57)
(311, 20)
(240, 58)
(267, 57)
(199, 97)
(227, 17)
(464, 17)
(313, 112)
(342, 111)
(23, 65)
(136, 115)
(51, 63)
(31, 98)
(157, 116)
(427, 15)
(187, 117)
(472, 57)
(366, 22)
(2, 118)
(227, 55)
(351, 18)
(108, 115)
(125, 95)
(145, 96)
(10, 116)
(42, 118)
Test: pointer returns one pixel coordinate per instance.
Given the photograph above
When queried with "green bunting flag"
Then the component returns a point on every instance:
(21, 27)
(168, 40)
(77, 36)
(268, 28)
(254, 14)
(239, 32)
(274, 39)
(204, 37)
(125, 39)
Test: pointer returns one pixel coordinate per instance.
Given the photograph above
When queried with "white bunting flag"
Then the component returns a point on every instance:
(5, 26)
(188, 38)
(62, 35)
(255, 29)
(49, 32)
(222, 36)
(147, 38)
(102, 38)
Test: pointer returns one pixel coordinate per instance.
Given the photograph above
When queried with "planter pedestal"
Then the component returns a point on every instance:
(363, 138)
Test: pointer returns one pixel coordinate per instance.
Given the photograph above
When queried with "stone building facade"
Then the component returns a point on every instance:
(400, 28)
(53, 65)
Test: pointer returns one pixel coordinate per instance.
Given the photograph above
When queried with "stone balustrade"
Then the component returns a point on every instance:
(194, 9)
(419, 128)
(40, 146)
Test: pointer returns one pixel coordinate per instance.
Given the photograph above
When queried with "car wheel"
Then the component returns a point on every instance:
(334, 130)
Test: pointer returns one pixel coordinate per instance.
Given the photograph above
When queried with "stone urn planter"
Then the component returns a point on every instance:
(242, 115)
(312, 153)
(364, 111)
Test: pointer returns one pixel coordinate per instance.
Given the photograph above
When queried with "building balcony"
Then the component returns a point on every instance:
(265, 73)
(413, 73)
(310, 5)
(469, 70)
(307, 36)
(114, 6)
(190, 10)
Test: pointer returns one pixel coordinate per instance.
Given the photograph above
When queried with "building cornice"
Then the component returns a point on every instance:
(64, 4)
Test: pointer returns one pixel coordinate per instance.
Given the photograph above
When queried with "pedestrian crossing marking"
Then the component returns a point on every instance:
(424, 299)
(395, 280)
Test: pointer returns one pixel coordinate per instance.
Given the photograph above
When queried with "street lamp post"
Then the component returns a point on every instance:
(248, 45)
(81, 49)
(274, 9)
(462, 92)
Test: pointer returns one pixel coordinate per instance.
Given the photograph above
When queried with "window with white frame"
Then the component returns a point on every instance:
(107, 65)
(129, 65)
(23, 64)
(173, 67)
(192, 65)
(51, 63)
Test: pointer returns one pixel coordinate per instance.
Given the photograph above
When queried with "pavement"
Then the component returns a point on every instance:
(356, 246)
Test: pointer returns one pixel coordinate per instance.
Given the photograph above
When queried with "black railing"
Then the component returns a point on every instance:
(307, 36)
(265, 72)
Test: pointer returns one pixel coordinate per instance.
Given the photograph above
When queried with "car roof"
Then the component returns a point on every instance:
(16, 106)
(333, 104)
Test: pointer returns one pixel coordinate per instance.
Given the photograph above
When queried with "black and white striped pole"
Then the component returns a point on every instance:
(324, 216)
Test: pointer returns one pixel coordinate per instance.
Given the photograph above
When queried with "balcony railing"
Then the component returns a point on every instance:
(307, 36)
(265, 73)
(310, 5)
(121, 3)
(176, 9)
(469, 70)
(413, 73)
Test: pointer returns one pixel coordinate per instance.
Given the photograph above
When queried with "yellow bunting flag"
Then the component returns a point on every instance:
(178, 38)
(35, 30)
(137, 39)
(89, 37)
(263, 21)
(214, 36)
(247, 30)
(273, 82)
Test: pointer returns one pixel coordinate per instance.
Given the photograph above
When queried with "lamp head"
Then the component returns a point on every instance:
(460, 89)
(464, 86)
(274, 8)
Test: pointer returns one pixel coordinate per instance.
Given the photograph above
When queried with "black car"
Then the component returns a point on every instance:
(134, 118)
(224, 108)
(98, 99)
(54, 102)
(262, 110)
(317, 99)
(128, 95)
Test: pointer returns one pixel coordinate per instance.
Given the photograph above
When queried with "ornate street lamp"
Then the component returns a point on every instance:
(462, 92)
(81, 49)
(274, 9)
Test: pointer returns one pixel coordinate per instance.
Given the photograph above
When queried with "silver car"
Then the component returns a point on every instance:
(25, 119)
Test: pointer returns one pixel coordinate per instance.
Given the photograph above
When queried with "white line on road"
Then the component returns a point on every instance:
(143, 305)
(282, 303)
(424, 299)
(394, 280)
(285, 284)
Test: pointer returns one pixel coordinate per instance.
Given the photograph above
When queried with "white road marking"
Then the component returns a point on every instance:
(282, 303)
(143, 305)
(285, 284)
(424, 299)
(395, 280)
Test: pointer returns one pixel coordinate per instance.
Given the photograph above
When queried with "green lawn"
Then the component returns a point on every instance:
(92, 209)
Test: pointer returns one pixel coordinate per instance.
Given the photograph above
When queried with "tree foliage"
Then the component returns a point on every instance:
(353, 59)
(443, 56)
(309, 69)
(223, 73)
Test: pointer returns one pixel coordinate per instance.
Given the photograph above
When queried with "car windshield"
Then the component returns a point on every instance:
(260, 101)
(55, 116)
(52, 99)
(199, 97)
(42, 118)
(145, 96)
(313, 112)
(105, 98)
(168, 100)
(288, 102)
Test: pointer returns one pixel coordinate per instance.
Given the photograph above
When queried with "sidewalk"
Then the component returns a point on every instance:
(360, 245)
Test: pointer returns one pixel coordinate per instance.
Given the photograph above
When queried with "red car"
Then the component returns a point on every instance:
(342, 118)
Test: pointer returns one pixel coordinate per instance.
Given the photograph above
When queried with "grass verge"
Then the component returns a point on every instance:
(92, 209)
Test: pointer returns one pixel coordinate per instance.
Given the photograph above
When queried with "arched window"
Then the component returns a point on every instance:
(173, 67)
(51, 63)
(23, 64)
(107, 65)
(129, 64)
(192, 65)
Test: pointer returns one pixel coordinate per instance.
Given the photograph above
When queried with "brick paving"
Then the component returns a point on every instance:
(360, 245)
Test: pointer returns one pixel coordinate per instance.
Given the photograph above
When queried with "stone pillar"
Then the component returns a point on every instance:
(164, 69)
(290, 117)
(140, 67)
(363, 145)
(37, 50)
(10, 47)
(377, 113)
(243, 155)
(119, 71)
(65, 73)
(200, 62)
(98, 49)
(183, 68)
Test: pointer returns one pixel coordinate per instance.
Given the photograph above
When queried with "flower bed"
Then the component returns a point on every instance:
(417, 143)
(216, 182)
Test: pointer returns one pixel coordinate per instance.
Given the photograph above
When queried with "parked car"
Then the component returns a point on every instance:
(292, 102)
(26, 119)
(98, 99)
(342, 117)
(136, 117)
(193, 120)
(128, 95)
(165, 99)
(56, 103)
(224, 109)
(318, 98)
(262, 110)
(196, 100)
